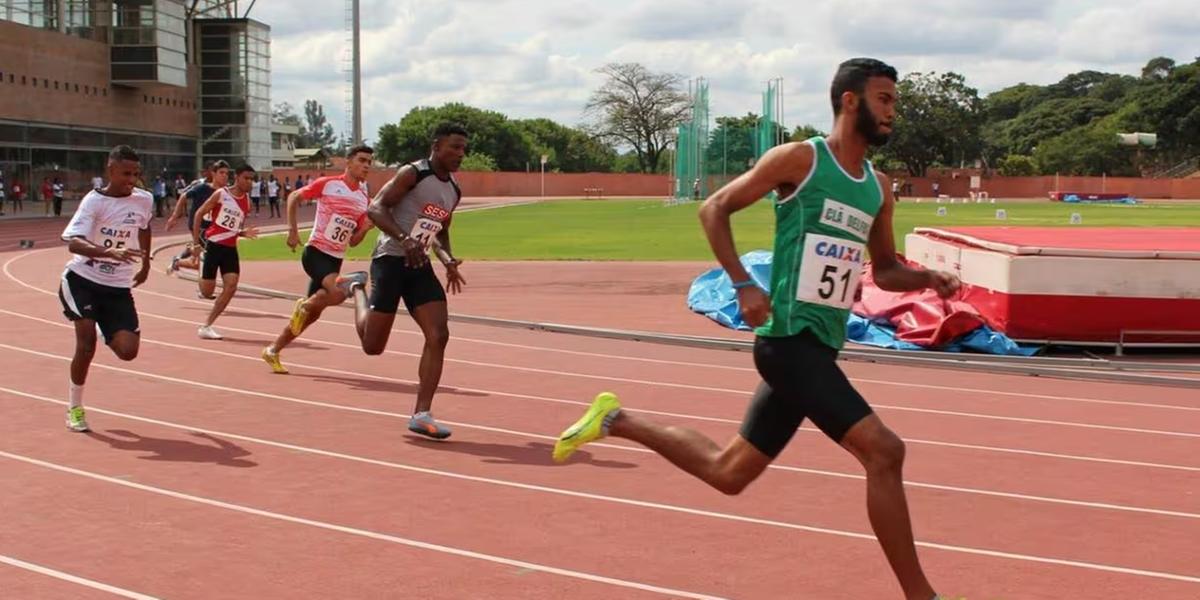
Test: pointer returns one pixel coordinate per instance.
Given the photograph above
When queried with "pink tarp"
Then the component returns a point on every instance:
(919, 317)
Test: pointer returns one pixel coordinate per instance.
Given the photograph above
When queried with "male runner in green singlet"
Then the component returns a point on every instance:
(832, 208)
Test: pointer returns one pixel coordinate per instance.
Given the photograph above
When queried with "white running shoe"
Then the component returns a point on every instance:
(350, 281)
(208, 333)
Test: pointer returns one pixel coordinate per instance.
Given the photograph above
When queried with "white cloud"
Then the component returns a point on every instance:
(532, 59)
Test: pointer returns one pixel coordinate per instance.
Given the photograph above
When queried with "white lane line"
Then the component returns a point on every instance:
(543, 399)
(777, 467)
(375, 535)
(562, 492)
(633, 358)
(95, 585)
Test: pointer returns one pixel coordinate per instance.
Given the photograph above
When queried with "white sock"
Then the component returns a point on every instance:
(76, 395)
(608, 421)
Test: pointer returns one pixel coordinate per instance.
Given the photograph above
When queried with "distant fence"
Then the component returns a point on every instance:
(660, 186)
(1040, 187)
(530, 184)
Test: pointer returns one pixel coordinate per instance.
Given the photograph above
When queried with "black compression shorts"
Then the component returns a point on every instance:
(801, 379)
(219, 257)
(318, 265)
(393, 280)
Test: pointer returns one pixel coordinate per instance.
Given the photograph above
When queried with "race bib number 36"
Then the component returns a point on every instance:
(339, 229)
(829, 271)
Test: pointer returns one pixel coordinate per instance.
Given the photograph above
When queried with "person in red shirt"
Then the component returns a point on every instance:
(226, 210)
(47, 194)
(341, 222)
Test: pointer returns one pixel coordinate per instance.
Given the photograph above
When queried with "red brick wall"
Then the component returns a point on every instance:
(1040, 187)
(528, 184)
(659, 186)
(42, 56)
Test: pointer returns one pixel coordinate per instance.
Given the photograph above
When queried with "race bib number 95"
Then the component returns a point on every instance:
(829, 271)
(111, 237)
(339, 229)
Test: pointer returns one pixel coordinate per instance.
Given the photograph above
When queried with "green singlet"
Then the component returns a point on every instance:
(821, 232)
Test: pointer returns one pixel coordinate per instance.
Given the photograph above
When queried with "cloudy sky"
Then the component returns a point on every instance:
(531, 59)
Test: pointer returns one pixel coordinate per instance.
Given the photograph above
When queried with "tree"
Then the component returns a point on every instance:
(938, 121)
(1087, 150)
(731, 145)
(1169, 107)
(1046, 120)
(285, 113)
(1009, 102)
(1158, 68)
(490, 133)
(1077, 84)
(342, 146)
(804, 132)
(478, 161)
(316, 131)
(569, 149)
(1017, 165)
(638, 108)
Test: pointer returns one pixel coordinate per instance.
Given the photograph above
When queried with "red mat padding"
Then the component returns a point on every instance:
(921, 317)
(1181, 239)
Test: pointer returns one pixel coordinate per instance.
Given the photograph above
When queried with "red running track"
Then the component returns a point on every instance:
(207, 476)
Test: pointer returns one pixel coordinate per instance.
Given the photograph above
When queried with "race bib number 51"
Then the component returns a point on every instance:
(829, 271)
(339, 229)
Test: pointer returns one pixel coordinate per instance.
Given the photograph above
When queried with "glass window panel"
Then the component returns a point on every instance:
(47, 135)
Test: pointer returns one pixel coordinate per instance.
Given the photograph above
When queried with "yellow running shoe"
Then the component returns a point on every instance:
(77, 420)
(298, 317)
(589, 428)
(272, 359)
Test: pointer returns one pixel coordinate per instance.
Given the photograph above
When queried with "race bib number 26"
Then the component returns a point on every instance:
(830, 271)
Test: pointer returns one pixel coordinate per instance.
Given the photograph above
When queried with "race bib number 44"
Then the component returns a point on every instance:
(829, 271)
(339, 229)
(424, 230)
(429, 224)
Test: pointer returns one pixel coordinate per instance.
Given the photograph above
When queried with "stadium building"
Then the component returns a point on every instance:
(181, 81)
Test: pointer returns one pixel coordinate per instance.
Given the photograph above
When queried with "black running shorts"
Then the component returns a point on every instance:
(219, 257)
(801, 379)
(318, 265)
(392, 280)
(110, 307)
